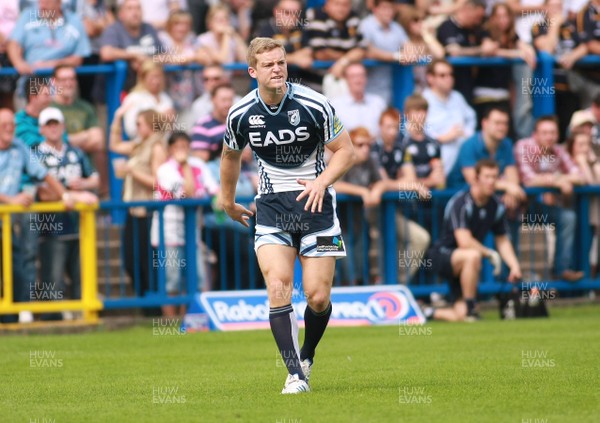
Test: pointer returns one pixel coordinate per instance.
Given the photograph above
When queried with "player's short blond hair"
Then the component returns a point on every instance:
(261, 45)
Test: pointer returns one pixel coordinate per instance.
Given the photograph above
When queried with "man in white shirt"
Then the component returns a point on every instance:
(358, 108)
(450, 119)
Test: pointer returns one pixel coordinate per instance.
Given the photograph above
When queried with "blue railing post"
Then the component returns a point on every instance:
(191, 244)
(114, 84)
(403, 83)
(544, 81)
(390, 244)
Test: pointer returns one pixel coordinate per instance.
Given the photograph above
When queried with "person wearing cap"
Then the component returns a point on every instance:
(582, 121)
(59, 233)
(15, 162)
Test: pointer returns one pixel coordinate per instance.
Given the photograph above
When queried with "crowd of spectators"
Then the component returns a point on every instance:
(456, 116)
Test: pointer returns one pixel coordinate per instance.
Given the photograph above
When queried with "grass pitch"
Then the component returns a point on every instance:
(536, 370)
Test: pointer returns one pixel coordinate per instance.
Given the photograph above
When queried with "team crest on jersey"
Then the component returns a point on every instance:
(294, 117)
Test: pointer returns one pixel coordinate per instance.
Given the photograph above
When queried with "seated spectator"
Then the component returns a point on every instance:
(207, 135)
(370, 181)
(450, 120)
(458, 254)
(595, 109)
(47, 37)
(543, 163)
(493, 84)
(358, 107)
(422, 154)
(178, 41)
(461, 35)
(181, 176)
(286, 25)
(81, 122)
(37, 94)
(148, 93)
(557, 36)
(384, 38)
(422, 45)
(241, 16)
(15, 163)
(9, 13)
(156, 12)
(221, 43)
(332, 34)
(588, 30)
(579, 146)
(582, 121)
(129, 39)
(490, 143)
(145, 155)
(212, 75)
(59, 245)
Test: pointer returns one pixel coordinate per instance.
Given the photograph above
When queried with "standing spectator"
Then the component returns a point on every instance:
(557, 36)
(207, 135)
(492, 143)
(15, 162)
(422, 154)
(461, 35)
(130, 39)
(37, 94)
(96, 18)
(59, 246)
(333, 35)
(579, 146)
(543, 163)
(148, 93)
(387, 147)
(241, 16)
(527, 13)
(422, 45)
(156, 12)
(359, 107)
(46, 37)
(286, 25)
(588, 29)
(492, 87)
(181, 176)
(9, 13)
(145, 155)
(458, 254)
(222, 44)
(212, 75)
(384, 38)
(450, 120)
(178, 40)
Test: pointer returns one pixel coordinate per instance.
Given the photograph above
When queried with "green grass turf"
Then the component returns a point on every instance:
(449, 372)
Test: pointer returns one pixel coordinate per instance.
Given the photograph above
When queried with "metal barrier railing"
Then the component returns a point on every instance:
(88, 303)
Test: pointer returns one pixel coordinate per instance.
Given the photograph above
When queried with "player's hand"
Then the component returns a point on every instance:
(496, 261)
(515, 275)
(238, 213)
(315, 193)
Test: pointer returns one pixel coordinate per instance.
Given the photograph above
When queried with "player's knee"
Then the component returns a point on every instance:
(318, 300)
(473, 257)
(279, 290)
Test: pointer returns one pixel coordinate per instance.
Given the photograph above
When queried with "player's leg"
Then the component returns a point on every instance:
(317, 278)
(277, 266)
(467, 265)
(464, 264)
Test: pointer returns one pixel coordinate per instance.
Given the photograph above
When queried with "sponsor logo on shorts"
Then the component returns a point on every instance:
(329, 244)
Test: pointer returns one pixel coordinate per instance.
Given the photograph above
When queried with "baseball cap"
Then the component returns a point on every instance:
(581, 117)
(50, 113)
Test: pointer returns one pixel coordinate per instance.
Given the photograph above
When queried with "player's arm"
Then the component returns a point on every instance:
(231, 162)
(507, 252)
(342, 159)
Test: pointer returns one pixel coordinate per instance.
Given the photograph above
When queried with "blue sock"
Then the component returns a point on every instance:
(285, 330)
(314, 328)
